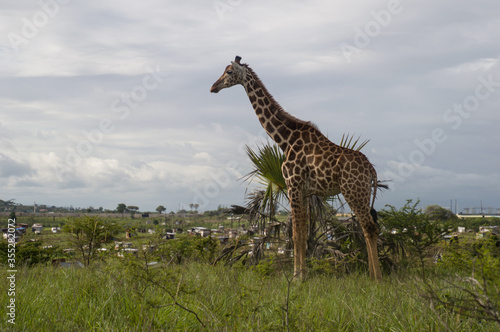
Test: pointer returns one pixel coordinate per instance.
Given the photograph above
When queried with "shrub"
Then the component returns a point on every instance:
(471, 285)
(88, 233)
(204, 249)
(29, 253)
(408, 234)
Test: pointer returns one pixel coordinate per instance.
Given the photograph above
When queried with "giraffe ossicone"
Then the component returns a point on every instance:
(313, 166)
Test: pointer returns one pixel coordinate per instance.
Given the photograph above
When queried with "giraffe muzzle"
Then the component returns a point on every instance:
(216, 86)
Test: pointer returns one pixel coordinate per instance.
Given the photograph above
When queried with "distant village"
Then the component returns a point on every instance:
(221, 233)
(51, 210)
(171, 230)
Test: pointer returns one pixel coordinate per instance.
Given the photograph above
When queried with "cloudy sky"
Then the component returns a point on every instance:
(107, 102)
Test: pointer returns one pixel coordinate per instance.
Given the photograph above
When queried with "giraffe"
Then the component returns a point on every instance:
(313, 165)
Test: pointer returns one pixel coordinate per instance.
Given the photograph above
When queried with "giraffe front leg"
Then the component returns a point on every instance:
(299, 225)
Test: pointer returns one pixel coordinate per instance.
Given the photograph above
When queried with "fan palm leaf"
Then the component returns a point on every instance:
(267, 161)
(347, 142)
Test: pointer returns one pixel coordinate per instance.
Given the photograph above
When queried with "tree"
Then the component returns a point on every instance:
(161, 209)
(436, 212)
(409, 234)
(88, 233)
(121, 208)
(132, 209)
(7, 205)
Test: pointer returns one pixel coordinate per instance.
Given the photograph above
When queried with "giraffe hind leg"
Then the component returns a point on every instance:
(370, 231)
(368, 220)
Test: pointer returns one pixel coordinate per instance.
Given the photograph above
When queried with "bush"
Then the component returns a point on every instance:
(29, 253)
(471, 285)
(203, 249)
(408, 234)
(88, 233)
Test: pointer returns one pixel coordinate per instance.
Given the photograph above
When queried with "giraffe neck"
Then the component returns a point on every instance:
(279, 125)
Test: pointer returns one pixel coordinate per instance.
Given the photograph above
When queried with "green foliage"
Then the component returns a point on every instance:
(267, 266)
(321, 266)
(474, 287)
(132, 209)
(178, 288)
(267, 161)
(200, 297)
(436, 212)
(88, 233)
(206, 248)
(408, 234)
(121, 208)
(475, 223)
(29, 253)
(7, 205)
(190, 248)
(161, 209)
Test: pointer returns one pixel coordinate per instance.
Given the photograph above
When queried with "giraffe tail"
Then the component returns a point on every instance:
(374, 185)
(374, 215)
(373, 212)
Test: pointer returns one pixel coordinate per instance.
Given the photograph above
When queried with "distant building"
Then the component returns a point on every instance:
(37, 228)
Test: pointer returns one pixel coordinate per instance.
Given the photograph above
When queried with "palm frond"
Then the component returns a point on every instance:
(267, 161)
(347, 142)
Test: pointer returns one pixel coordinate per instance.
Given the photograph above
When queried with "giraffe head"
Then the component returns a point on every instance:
(233, 74)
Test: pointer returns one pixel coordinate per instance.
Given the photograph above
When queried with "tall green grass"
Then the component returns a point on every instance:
(113, 297)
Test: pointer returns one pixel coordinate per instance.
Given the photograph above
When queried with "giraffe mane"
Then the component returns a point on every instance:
(288, 115)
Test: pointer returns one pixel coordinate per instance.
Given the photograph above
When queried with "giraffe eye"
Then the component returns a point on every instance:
(229, 72)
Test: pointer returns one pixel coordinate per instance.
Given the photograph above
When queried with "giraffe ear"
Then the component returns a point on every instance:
(237, 66)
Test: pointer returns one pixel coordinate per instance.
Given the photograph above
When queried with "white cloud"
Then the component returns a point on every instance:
(180, 139)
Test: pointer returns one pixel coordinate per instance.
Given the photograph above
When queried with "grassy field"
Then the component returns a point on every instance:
(195, 296)
(152, 292)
